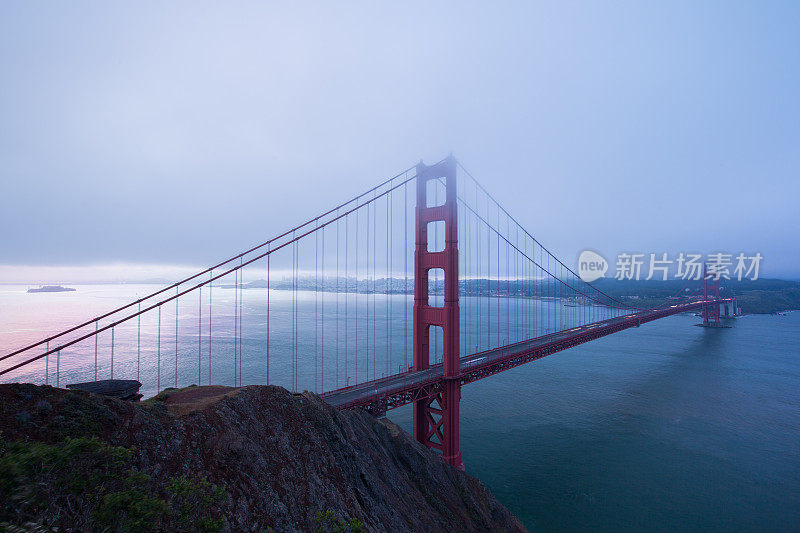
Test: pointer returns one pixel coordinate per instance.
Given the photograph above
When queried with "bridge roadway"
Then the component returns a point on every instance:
(387, 393)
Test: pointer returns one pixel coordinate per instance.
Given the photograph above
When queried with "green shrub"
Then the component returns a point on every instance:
(327, 522)
(86, 484)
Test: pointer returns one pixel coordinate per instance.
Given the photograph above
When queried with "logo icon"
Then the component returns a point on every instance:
(591, 266)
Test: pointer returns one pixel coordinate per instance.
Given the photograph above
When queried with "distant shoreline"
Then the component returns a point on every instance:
(763, 296)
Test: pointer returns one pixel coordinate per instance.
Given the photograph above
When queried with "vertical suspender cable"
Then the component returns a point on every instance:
(498, 275)
(462, 294)
(346, 293)
(516, 284)
(529, 286)
(389, 278)
(297, 318)
(374, 286)
(210, 282)
(337, 298)
(237, 340)
(469, 282)
(112, 353)
(235, 320)
(367, 282)
(268, 257)
(199, 336)
(387, 284)
(463, 273)
(316, 306)
(488, 281)
(525, 264)
(355, 334)
(478, 301)
(241, 318)
(95, 348)
(405, 283)
(508, 283)
(322, 324)
(294, 314)
(139, 342)
(176, 339)
(158, 388)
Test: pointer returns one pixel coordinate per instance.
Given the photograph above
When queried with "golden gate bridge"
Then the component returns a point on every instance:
(401, 295)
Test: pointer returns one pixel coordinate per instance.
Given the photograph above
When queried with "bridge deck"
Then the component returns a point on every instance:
(387, 393)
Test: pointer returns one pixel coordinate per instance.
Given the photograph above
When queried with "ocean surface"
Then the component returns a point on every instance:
(660, 428)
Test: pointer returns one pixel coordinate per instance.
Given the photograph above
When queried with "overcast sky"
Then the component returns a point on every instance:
(179, 133)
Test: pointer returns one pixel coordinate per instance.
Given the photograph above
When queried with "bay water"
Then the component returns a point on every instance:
(664, 427)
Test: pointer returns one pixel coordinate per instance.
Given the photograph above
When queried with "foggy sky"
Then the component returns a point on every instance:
(180, 133)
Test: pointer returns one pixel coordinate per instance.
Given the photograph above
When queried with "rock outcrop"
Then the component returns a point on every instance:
(248, 459)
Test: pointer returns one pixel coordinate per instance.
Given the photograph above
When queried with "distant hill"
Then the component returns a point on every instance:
(759, 296)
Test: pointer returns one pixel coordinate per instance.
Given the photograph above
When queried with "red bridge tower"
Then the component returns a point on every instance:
(710, 313)
(436, 417)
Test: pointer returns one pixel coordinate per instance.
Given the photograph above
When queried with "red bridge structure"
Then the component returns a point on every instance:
(327, 307)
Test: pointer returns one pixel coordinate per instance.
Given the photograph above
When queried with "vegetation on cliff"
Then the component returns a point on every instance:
(222, 459)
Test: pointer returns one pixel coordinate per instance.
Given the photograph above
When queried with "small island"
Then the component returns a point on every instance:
(52, 288)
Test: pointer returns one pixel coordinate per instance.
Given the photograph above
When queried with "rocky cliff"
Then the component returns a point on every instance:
(217, 459)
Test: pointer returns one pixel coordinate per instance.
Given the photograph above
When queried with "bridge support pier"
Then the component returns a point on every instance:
(436, 417)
